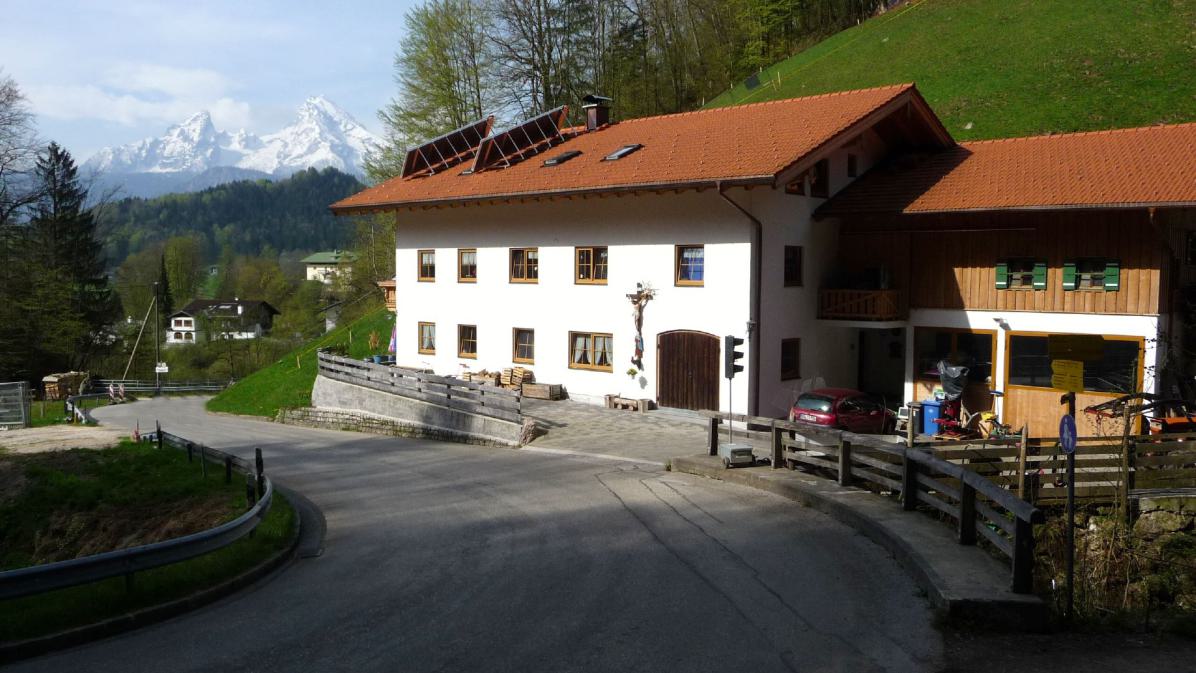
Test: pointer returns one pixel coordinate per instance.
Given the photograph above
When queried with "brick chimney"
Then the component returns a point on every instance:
(597, 111)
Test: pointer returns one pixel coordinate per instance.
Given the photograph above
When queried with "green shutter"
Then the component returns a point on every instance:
(1002, 275)
(1069, 275)
(1112, 275)
(1040, 275)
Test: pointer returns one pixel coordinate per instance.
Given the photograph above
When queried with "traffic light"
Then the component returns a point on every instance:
(731, 356)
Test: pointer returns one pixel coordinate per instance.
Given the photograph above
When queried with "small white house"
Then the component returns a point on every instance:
(220, 319)
(614, 258)
(325, 267)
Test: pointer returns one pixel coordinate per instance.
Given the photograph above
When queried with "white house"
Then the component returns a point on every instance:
(220, 319)
(534, 247)
(326, 266)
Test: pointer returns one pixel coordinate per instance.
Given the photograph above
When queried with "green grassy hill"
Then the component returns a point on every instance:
(1000, 68)
(288, 382)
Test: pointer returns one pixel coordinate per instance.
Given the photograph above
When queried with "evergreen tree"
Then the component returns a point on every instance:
(165, 296)
(71, 303)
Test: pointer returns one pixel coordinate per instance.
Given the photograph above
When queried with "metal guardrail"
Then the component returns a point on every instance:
(73, 407)
(998, 515)
(62, 574)
(138, 386)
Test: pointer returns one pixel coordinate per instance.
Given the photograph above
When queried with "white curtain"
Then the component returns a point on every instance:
(581, 349)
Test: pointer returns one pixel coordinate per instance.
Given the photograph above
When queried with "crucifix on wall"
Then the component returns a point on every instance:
(639, 300)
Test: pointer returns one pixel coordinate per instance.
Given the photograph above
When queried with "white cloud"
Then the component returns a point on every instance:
(136, 93)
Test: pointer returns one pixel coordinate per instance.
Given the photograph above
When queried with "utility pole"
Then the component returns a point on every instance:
(157, 342)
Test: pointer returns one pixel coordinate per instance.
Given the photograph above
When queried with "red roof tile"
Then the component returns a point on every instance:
(748, 143)
(1154, 165)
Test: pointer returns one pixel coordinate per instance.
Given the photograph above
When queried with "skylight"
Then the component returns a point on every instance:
(561, 158)
(622, 152)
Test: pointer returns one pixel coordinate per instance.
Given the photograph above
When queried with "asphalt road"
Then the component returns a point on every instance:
(443, 557)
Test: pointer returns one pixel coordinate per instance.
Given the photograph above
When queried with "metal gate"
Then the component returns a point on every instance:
(687, 370)
(14, 404)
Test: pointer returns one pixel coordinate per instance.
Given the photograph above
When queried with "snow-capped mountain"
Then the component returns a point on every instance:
(323, 135)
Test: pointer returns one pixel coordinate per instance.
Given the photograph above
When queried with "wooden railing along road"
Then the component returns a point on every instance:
(468, 396)
(979, 506)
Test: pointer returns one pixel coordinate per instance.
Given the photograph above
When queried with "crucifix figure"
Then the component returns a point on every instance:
(638, 301)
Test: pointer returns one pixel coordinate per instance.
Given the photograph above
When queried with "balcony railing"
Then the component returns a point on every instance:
(860, 305)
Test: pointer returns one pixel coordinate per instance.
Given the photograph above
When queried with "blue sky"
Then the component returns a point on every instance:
(108, 73)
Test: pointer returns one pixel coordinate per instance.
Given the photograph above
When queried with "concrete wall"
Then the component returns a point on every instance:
(346, 397)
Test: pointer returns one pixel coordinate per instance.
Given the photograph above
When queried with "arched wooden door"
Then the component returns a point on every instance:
(687, 370)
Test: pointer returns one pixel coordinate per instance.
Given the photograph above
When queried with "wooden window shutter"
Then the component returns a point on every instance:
(1002, 275)
(1040, 275)
(1112, 275)
(1069, 275)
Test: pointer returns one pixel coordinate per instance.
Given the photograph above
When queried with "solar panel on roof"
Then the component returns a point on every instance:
(447, 150)
(531, 137)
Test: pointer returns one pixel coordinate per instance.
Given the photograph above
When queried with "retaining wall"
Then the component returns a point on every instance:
(340, 405)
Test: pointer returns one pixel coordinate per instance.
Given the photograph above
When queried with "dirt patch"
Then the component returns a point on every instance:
(70, 535)
(60, 438)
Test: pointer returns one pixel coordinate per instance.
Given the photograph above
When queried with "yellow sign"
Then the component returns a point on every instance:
(1067, 375)
(1083, 347)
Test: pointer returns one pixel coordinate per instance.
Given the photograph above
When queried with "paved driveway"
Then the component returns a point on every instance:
(443, 557)
(654, 436)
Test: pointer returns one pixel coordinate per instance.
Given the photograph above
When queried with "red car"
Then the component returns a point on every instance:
(843, 409)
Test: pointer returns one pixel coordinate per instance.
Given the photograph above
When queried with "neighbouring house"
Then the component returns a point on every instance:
(325, 267)
(846, 236)
(220, 319)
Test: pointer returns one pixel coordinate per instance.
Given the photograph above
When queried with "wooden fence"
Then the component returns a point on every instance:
(980, 507)
(474, 398)
(14, 405)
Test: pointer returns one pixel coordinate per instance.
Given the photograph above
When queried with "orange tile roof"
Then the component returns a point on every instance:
(742, 144)
(1138, 167)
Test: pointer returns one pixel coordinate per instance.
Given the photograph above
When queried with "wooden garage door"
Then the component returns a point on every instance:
(688, 370)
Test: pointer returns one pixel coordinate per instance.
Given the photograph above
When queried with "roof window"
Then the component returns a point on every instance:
(622, 152)
(562, 158)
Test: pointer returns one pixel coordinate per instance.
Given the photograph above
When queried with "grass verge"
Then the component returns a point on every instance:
(68, 503)
(288, 382)
(1001, 68)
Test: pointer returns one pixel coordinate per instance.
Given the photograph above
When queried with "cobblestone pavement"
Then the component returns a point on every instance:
(654, 436)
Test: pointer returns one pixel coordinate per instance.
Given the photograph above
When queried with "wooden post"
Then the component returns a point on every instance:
(967, 513)
(713, 435)
(1021, 466)
(909, 483)
(228, 469)
(261, 472)
(158, 434)
(1023, 557)
(250, 491)
(190, 452)
(844, 462)
(778, 448)
(1123, 495)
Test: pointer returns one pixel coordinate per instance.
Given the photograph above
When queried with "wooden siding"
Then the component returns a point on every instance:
(948, 261)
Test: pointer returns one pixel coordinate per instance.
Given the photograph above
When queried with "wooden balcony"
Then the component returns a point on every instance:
(388, 288)
(878, 305)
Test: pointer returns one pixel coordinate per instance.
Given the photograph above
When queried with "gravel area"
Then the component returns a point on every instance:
(62, 437)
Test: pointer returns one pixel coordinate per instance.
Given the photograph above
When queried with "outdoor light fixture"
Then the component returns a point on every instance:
(1001, 322)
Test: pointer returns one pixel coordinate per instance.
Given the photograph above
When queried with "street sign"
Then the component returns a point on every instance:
(162, 368)
(1067, 434)
(1067, 375)
(1082, 347)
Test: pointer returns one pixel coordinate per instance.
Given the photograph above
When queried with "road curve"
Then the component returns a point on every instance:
(443, 557)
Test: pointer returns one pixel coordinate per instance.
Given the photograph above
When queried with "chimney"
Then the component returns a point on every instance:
(597, 111)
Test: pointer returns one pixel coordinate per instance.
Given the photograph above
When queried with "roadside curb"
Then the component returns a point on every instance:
(306, 541)
(964, 585)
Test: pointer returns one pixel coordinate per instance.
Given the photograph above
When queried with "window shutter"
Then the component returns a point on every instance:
(1069, 275)
(1112, 275)
(1002, 275)
(1040, 274)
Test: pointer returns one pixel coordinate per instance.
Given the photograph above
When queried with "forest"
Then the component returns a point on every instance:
(460, 60)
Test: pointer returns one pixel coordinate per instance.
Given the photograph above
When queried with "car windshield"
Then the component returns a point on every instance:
(817, 403)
